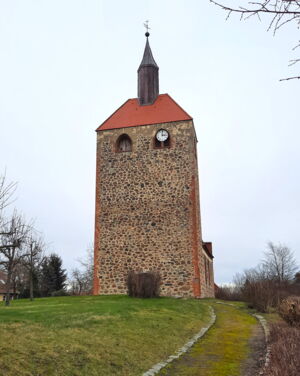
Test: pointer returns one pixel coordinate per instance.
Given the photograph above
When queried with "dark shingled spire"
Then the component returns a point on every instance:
(148, 57)
(148, 85)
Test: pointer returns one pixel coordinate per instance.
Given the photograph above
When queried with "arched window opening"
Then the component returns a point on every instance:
(124, 143)
(162, 139)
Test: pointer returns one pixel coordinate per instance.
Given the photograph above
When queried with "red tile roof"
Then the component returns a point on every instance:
(132, 114)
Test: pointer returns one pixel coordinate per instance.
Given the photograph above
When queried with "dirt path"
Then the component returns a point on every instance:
(234, 346)
(256, 357)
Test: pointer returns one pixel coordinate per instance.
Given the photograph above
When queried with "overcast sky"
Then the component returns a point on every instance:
(65, 66)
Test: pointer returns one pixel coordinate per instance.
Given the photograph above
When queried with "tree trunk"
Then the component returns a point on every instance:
(14, 285)
(31, 285)
(8, 282)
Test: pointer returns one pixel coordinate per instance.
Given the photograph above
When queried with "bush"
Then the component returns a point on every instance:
(61, 292)
(262, 295)
(228, 293)
(260, 291)
(143, 285)
(289, 310)
(285, 349)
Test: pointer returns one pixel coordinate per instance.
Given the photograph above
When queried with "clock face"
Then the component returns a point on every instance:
(162, 135)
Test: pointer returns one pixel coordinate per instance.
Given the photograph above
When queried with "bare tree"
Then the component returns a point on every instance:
(33, 258)
(78, 281)
(13, 235)
(87, 265)
(6, 193)
(279, 263)
(257, 289)
(19, 279)
(280, 13)
(266, 285)
(82, 278)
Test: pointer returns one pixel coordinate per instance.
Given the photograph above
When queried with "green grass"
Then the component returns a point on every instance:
(223, 350)
(105, 335)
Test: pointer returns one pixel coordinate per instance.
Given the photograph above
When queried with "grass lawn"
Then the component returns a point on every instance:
(94, 335)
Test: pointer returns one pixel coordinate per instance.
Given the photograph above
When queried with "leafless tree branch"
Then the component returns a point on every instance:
(7, 191)
(281, 12)
(81, 281)
(33, 257)
(290, 78)
(279, 263)
(14, 234)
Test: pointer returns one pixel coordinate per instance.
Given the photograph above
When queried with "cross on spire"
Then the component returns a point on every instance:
(146, 24)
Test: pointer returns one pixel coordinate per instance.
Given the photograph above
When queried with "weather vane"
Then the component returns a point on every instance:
(146, 24)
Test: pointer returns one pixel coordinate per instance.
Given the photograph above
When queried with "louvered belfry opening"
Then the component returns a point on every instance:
(148, 83)
(124, 143)
(161, 144)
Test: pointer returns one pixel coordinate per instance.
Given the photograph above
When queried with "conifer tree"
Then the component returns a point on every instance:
(53, 276)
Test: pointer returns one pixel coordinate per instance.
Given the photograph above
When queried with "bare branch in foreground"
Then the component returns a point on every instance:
(281, 13)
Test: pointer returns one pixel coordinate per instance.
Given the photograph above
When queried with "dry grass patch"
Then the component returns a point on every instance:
(285, 349)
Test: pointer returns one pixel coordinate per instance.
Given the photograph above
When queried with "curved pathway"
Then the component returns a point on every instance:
(234, 346)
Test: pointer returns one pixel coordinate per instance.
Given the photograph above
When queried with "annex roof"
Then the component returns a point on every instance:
(207, 246)
(132, 114)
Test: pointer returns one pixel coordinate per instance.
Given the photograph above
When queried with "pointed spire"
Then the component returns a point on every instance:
(148, 57)
(148, 84)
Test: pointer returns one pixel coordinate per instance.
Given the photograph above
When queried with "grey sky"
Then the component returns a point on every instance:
(65, 66)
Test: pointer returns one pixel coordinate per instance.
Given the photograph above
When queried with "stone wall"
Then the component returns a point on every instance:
(147, 211)
(207, 276)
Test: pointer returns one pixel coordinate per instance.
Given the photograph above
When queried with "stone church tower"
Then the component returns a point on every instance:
(147, 195)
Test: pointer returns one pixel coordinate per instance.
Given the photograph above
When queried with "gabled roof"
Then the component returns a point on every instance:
(132, 114)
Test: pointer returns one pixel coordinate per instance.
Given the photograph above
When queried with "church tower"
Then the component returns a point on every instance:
(147, 195)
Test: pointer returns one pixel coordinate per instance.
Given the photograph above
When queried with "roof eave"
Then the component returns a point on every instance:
(142, 125)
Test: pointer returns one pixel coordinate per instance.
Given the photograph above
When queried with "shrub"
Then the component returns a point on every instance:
(228, 293)
(289, 310)
(261, 294)
(260, 291)
(285, 349)
(61, 292)
(143, 285)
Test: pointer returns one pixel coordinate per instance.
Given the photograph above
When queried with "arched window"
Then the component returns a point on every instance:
(162, 139)
(124, 143)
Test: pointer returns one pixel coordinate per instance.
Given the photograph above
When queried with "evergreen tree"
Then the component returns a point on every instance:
(53, 276)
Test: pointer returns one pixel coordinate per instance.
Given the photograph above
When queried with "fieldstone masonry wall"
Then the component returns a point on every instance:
(147, 212)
